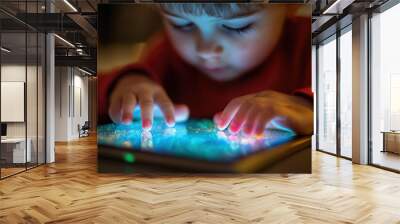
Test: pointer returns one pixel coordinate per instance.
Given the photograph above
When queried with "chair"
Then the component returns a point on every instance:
(84, 130)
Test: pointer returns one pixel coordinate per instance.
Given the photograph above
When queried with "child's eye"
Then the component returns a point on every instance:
(239, 30)
(184, 27)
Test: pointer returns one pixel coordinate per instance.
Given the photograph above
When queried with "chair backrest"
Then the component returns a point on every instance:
(86, 124)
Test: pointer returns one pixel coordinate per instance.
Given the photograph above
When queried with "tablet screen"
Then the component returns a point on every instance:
(193, 139)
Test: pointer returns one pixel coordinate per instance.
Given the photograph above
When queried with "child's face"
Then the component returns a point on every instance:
(225, 48)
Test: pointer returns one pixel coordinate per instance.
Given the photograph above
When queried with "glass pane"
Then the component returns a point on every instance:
(13, 85)
(327, 96)
(31, 97)
(346, 94)
(386, 89)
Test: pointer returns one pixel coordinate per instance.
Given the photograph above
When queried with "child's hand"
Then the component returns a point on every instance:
(251, 113)
(138, 89)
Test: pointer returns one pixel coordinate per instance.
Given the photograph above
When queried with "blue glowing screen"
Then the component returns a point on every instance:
(194, 139)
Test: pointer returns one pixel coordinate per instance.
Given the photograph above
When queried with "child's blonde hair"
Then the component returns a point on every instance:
(213, 9)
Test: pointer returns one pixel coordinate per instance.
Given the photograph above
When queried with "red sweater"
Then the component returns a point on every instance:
(287, 70)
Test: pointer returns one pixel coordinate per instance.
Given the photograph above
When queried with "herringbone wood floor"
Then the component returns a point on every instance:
(71, 191)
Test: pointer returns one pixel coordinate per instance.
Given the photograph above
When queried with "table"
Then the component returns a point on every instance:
(391, 141)
(15, 148)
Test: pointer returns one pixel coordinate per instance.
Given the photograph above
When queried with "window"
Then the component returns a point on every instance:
(385, 87)
(346, 93)
(327, 96)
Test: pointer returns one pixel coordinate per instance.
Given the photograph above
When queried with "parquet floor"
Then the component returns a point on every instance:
(387, 159)
(9, 171)
(71, 191)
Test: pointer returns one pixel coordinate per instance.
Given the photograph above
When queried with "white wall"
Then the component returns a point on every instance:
(12, 73)
(80, 100)
(33, 127)
(71, 93)
(61, 104)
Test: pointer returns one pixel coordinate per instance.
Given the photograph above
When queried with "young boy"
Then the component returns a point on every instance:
(240, 64)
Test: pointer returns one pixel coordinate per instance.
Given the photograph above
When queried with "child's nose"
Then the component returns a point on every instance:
(209, 50)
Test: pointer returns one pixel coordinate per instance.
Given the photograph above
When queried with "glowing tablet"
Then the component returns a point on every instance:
(191, 141)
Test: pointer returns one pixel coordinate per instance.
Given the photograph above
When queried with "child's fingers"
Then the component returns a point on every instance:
(114, 110)
(217, 118)
(128, 105)
(181, 112)
(229, 113)
(166, 107)
(240, 118)
(250, 124)
(262, 122)
(146, 108)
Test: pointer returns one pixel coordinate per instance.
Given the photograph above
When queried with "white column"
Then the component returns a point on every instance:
(50, 92)
(50, 109)
(63, 102)
(360, 90)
